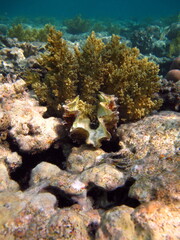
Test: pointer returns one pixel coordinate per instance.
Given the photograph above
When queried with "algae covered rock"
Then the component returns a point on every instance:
(83, 158)
(117, 224)
(156, 134)
(30, 130)
(146, 222)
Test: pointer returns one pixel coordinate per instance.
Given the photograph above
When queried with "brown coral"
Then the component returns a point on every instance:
(110, 68)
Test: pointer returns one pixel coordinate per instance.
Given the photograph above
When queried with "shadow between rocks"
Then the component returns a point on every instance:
(22, 174)
(108, 199)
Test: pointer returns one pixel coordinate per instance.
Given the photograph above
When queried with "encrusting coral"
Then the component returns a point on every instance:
(90, 85)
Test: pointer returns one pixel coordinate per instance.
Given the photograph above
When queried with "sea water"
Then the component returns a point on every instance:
(115, 9)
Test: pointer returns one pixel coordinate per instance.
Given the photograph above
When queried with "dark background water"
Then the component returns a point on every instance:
(117, 9)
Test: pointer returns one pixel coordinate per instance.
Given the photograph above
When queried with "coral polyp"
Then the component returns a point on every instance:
(99, 83)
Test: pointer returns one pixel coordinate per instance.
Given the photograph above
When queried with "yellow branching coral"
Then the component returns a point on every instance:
(90, 74)
(132, 80)
(29, 34)
(59, 81)
(95, 82)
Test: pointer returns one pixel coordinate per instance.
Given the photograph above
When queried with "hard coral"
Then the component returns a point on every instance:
(77, 25)
(60, 81)
(173, 75)
(102, 76)
(29, 34)
(174, 47)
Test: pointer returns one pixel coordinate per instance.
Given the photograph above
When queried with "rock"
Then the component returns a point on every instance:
(44, 202)
(175, 64)
(83, 158)
(156, 221)
(43, 171)
(73, 187)
(154, 161)
(156, 178)
(7, 66)
(28, 48)
(173, 30)
(157, 134)
(104, 175)
(13, 161)
(16, 54)
(117, 224)
(6, 182)
(9, 91)
(10, 205)
(7, 42)
(160, 48)
(12, 58)
(170, 93)
(19, 212)
(67, 224)
(4, 152)
(30, 130)
(149, 221)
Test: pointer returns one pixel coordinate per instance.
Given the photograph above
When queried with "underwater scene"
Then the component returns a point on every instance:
(89, 120)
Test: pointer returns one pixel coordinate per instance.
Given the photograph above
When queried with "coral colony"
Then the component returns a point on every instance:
(100, 84)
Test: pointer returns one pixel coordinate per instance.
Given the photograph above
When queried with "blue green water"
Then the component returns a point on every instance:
(117, 9)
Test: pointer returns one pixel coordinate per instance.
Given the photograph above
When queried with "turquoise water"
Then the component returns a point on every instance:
(117, 9)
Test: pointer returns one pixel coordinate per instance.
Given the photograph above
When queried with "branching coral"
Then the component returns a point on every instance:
(60, 81)
(77, 25)
(29, 34)
(90, 83)
(132, 80)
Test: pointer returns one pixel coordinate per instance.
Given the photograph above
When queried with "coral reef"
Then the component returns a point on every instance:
(170, 87)
(53, 188)
(97, 197)
(142, 39)
(29, 34)
(77, 25)
(174, 48)
(175, 64)
(111, 68)
(173, 75)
